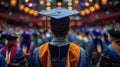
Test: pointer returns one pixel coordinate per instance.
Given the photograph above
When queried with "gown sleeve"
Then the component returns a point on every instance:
(84, 60)
(2, 61)
(34, 60)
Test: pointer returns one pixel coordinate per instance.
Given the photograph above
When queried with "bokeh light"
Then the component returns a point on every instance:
(92, 9)
(21, 7)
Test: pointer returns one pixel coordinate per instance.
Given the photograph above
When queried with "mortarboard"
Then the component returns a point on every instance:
(59, 18)
(26, 34)
(35, 33)
(96, 32)
(114, 33)
(86, 32)
(105, 35)
(9, 36)
(58, 13)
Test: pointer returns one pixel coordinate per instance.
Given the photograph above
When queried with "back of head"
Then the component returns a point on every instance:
(60, 27)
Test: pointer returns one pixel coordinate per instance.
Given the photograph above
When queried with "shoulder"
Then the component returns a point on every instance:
(74, 46)
(107, 51)
(36, 50)
(84, 60)
(83, 53)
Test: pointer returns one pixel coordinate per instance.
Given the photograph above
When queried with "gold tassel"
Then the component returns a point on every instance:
(99, 48)
(7, 58)
(80, 37)
(86, 39)
(24, 50)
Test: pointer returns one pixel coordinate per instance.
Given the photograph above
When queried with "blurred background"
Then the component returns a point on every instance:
(20, 15)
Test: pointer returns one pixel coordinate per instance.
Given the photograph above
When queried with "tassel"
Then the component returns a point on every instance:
(99, 48)
(24, 50)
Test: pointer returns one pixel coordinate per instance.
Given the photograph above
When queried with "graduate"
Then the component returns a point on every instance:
(11, 51)
(59, 52)
(112, 51)
(26, 43)
(87, 40)
(96, 47)
(105, 38)
(36, 40)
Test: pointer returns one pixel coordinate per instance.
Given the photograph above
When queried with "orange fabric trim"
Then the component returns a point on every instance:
(43, 52)
(74, 54)
(116, 48)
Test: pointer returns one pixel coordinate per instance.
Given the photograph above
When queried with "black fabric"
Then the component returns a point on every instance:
(60, 25)
(114, 33)
(54, 50)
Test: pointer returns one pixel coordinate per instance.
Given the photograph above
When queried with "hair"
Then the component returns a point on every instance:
(61, 34)
(60, 27)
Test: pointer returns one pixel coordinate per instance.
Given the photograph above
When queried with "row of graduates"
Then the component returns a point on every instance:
(16, 51)
(13, 52)
(62, 49)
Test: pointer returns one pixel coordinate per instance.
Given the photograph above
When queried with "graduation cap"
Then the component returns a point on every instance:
(26, 34)
(96, 32)
(59, 18)
(114, 33)
(9, 36)
(35, 33)
(86, 32)
(105, 35)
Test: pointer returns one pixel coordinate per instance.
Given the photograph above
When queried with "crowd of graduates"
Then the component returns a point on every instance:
(17, 48)
(61, 46)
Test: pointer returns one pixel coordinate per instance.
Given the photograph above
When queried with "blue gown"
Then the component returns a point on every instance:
(28, 44)
(93, 46)
(110, 52)
(34, 60)
(1, 46)
(36, 42)
(71, 38)
(86, 45)
(2, 61)
(17, 55)
(60, 54)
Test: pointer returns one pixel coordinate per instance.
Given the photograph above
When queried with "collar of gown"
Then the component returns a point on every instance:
(59, 41)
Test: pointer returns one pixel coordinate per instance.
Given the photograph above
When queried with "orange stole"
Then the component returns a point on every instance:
(116, 48)
(74, 54)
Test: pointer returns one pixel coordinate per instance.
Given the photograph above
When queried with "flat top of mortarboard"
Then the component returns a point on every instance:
(10, 36)
(86, 31)
(96, 32)
(58, 13)
(26, 34)
(114, 32)
(35, 33)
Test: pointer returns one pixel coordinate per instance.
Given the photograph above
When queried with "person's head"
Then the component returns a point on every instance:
(105, 35)
(97, 33)
(60, 27)
(59, 22)
(114, 35)
(11, 39)
(86, 32)
(26, 36)
(35, 34)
